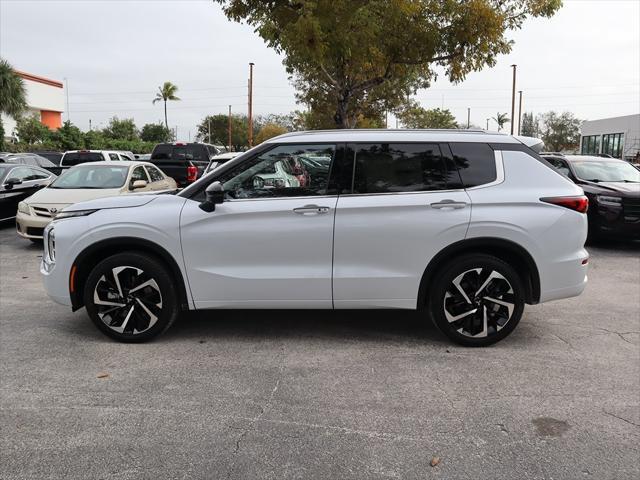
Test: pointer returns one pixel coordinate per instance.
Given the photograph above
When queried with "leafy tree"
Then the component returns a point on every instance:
(355, 54)
(501, 119)
(415, 116)
(530, 126)
(219, 125)
(268, 131)
(167, 92)
(68, 137)
(560, 132)
(31, 130)
(124, 129)
(94, 140)
(13, 96)
(155, 132)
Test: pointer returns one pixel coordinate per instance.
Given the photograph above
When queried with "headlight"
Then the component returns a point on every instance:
(49, 245)
(608, 200)
(24, 208)
(77, 213)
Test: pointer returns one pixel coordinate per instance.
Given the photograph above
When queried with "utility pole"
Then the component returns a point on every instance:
(468, 118)
(519, 111)
(209, 129)
(513, 98)
(89, 124)
(487, 124)
(66, 81)
(250, 129)
(229, 129)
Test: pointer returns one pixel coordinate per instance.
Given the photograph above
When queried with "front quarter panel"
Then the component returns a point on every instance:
(156, 222)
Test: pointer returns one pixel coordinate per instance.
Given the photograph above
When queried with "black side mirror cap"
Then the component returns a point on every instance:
(214, 195)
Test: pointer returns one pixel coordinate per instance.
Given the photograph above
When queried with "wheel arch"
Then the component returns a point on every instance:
(506, 250)
(91, 255)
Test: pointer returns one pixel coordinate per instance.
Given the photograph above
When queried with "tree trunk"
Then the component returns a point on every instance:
(166, 123)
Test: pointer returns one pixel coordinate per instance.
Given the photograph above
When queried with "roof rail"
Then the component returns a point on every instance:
(390, 130)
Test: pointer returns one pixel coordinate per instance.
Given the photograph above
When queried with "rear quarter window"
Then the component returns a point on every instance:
(476, 163)
(76, 158)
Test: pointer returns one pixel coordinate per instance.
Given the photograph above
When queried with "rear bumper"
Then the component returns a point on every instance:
(568, 277)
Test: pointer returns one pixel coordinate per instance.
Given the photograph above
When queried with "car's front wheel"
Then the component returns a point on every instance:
(477, 300)
(131, 297)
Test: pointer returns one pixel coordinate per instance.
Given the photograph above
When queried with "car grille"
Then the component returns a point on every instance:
(38, 232)
(631, 207)
(42, 212)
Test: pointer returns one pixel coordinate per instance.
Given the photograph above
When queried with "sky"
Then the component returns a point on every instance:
(114, 54)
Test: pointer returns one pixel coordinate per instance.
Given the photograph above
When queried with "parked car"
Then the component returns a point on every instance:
(18, 182)
(127, 155)
(184, 162)
(76, 157)
(219, 159)
(86, 182)
(50, 155)
(613, 189)
(459, 225)
(143, 157)
(33, 160)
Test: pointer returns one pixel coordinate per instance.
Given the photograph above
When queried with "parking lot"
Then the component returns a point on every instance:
(321, 394)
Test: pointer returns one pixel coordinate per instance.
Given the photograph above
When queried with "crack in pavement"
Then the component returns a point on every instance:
(620, 418)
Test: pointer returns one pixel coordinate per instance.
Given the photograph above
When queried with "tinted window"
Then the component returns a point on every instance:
(281, 172)
(21, 173)
(155, 174)
(114, 156)
(75, 158)
(395, 167)
(180, 152)
(38, 174)
(476, 163)
(559, 165)
(139, 174)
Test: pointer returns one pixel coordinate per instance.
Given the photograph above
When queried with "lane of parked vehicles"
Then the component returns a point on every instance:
(305, 219)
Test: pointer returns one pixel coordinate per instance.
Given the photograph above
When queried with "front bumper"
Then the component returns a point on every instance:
(31, 226)
(616, 224)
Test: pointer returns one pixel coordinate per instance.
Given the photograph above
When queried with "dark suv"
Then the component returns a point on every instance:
(613, 189)
(184, 162)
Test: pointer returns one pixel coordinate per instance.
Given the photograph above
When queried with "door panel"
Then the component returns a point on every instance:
(260, 253)
(383, 244)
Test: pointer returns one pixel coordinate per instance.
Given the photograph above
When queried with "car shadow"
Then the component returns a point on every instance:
(614, 245)
(349, 325)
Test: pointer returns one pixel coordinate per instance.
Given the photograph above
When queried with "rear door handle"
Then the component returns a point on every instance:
(449, 204)
(311, 210)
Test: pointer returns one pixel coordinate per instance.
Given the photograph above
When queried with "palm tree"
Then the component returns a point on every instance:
(501, 119)
(166, 92)
(13, 97)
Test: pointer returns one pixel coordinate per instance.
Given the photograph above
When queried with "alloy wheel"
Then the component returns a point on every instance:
(128, 300)
(479, 303)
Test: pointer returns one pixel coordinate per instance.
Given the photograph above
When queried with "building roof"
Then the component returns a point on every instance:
(38, 79)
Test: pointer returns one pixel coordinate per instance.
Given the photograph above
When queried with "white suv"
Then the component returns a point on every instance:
(467, 226)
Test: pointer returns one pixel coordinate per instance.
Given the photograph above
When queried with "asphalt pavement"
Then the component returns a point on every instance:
(321, 394)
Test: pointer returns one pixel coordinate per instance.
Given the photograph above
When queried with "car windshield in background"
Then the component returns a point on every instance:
(92, 176)
(606, 171)
(76, 158)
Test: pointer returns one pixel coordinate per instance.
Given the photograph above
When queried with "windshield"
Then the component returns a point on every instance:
(606, 171)
(92, 176)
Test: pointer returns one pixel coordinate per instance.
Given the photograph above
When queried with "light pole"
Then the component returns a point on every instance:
(513, 97)
(66, 81)
(468, 118)
(229, 129)
(488, 124)
(519, 110)
(250, 129)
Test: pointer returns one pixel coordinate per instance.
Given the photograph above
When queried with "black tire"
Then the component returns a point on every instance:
(156, 298)
(495, 280)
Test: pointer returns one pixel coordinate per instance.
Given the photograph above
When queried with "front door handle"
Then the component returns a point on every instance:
(448, 204)
(311, 210)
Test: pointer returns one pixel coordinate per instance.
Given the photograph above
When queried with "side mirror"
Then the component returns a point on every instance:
(214, 195)
(11, 182)
(136, 184)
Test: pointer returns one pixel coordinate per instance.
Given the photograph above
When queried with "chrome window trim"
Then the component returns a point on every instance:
(499, 173)
(278, 198)
(420, 192)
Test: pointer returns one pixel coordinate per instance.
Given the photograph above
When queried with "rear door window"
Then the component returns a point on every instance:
(399, 167)
(154, 174)
(476, 163)
(139, 174)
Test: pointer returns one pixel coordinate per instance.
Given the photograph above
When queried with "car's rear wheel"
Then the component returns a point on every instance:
(477, 300)
(131, 297)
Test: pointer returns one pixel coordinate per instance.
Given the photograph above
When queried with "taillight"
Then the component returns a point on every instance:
(192, 173)
(579, 204)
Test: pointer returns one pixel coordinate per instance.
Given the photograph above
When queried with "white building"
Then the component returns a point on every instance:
(617, 136)
(45, 98)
